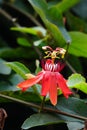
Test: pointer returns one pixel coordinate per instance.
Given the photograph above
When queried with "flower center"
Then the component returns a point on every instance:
(51, 67)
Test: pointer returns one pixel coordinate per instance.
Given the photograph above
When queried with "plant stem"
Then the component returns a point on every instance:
(44, 108)
(66, 54)
(70, 67)
(42, 104)
(28, 15)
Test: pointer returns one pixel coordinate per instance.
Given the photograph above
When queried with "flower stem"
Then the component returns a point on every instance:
(44, 108)
(68, 44)
(70, 67)
(42, 104)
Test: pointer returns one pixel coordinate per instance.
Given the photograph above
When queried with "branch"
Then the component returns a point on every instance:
(45, 108)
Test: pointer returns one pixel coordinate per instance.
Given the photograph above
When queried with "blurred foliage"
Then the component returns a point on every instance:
(26, 26)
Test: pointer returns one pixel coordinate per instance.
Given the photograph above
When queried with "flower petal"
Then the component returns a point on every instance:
(53, 89)
(62, 85)
(28, 83)
(46, 83)
(60, 66)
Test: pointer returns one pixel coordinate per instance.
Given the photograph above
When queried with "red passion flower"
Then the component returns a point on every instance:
(50, 79)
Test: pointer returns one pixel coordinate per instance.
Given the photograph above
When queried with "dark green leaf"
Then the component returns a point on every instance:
(10, 84)
(22, 6)
(6, 87)
(20, 52)
(81, 8)
(3, 68)
(72, 105)
(75, 23)
(39, 120)
(15, 79)
(28, 96)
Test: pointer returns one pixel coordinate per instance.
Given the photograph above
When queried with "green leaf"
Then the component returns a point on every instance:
(80, 9)
(17, 53)
(66, 4)
(72, 105)
(54, 24)
(77, 81)
(75, 23)
(82, 87)
(3, 68)
(19, 68)
(39, 120)
(78, 47)
(23, 42)
(28, 96)
(25, 30)
(10, 83)
(15, 79)
(6, 87)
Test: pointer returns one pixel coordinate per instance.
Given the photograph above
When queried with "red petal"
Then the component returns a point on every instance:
(60, 66)
(28, 83)
(53, 90)
(46, 83)
(62, 85)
